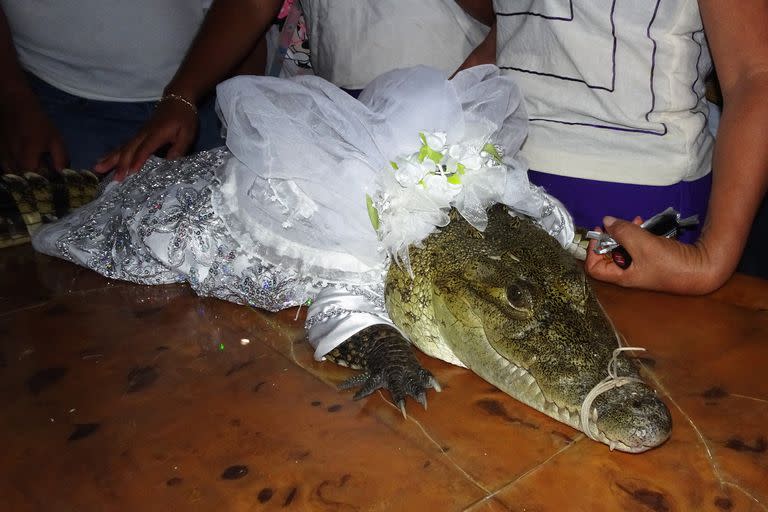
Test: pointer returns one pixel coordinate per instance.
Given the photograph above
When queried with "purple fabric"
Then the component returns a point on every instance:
(352, 92)
(589, 200)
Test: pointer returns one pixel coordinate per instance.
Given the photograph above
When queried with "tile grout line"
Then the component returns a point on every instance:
(524, 475)
(412, 419)
(439, 447)
(489, 494)
(745, 493)
(707, 449)
(747, 397)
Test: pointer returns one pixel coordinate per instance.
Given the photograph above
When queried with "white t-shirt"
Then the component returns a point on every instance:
(614, 90)
(354, 41)
(113, 50)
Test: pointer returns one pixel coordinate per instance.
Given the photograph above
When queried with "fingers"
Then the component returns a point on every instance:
(179, 138)
(180, 147)
(602, 267)
(125, 161)
(122, 159)
(629, 235)
(119, 175)
(107, 163)
(144, 150)
(169, 126)
(111, 162)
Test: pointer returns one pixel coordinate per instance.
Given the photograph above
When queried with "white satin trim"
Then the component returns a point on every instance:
(337, 314)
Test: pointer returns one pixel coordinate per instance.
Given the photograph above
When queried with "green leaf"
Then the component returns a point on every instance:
(491, 150)
(428, 152)
(373, 213)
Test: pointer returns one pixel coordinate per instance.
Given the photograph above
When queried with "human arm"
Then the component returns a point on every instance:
(485, 52)
(481, 10)
(26, 133)
(737, 31)
(230, 31)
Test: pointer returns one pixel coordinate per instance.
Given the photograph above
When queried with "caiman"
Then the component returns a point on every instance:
(513, 306)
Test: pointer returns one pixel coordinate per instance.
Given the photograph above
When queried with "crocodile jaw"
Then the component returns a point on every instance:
(521, 385)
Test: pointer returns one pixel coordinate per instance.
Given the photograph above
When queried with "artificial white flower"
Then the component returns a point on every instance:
(442, 191)
(467, 155)
(435, 140)
(415, 196)
(409, 171)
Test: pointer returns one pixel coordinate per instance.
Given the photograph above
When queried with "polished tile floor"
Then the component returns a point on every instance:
(122, 397)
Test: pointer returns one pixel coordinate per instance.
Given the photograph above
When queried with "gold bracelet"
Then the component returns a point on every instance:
(171, 96)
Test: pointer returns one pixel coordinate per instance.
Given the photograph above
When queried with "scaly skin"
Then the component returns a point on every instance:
(513, 306)
(387, 361)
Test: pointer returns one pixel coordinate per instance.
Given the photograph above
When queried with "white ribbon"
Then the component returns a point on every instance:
(336, 315)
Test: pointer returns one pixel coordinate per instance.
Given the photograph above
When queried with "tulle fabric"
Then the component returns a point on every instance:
(306, 154)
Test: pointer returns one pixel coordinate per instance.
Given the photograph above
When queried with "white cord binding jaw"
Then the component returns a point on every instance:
(589, 420)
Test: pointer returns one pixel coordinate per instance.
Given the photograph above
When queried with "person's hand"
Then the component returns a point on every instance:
(172, 124)
(28, 139)
(657, 263)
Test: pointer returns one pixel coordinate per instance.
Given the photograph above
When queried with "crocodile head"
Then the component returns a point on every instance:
(513, 306)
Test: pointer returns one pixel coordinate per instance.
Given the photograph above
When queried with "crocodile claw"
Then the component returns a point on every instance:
(388, 362)
(400, 384)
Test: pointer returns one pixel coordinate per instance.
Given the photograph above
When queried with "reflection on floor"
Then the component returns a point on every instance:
(122, 397)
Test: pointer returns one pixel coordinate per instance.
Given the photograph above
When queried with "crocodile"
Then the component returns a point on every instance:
(512, 305)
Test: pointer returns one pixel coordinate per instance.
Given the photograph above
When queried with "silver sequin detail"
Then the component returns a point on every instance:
(332, 312)
(159, 227)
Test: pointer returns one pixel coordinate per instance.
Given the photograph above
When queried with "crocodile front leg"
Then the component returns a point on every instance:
(387, 361)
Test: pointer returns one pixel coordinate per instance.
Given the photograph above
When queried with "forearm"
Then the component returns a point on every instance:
(740, 173)
(481, 10)
(485, 53)
(229, 33)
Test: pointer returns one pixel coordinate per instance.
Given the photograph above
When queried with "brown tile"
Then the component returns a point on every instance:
(124, 397)
(583, 477)
(123, 409)
(743, 290)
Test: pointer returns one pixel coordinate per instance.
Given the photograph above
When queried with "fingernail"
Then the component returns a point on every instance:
(608, 221)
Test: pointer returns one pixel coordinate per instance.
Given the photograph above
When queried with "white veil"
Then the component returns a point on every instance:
(306, 154)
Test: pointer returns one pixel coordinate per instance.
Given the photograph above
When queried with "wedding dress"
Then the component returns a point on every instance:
(314, 194)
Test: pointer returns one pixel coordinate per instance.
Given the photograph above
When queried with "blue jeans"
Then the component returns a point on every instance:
(92, 128)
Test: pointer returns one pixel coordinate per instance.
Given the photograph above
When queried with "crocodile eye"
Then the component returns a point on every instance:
(517, 297)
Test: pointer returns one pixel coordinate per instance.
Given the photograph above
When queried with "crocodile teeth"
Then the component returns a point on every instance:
(553, 410)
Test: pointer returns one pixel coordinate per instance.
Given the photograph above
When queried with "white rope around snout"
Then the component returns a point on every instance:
(608, 383)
